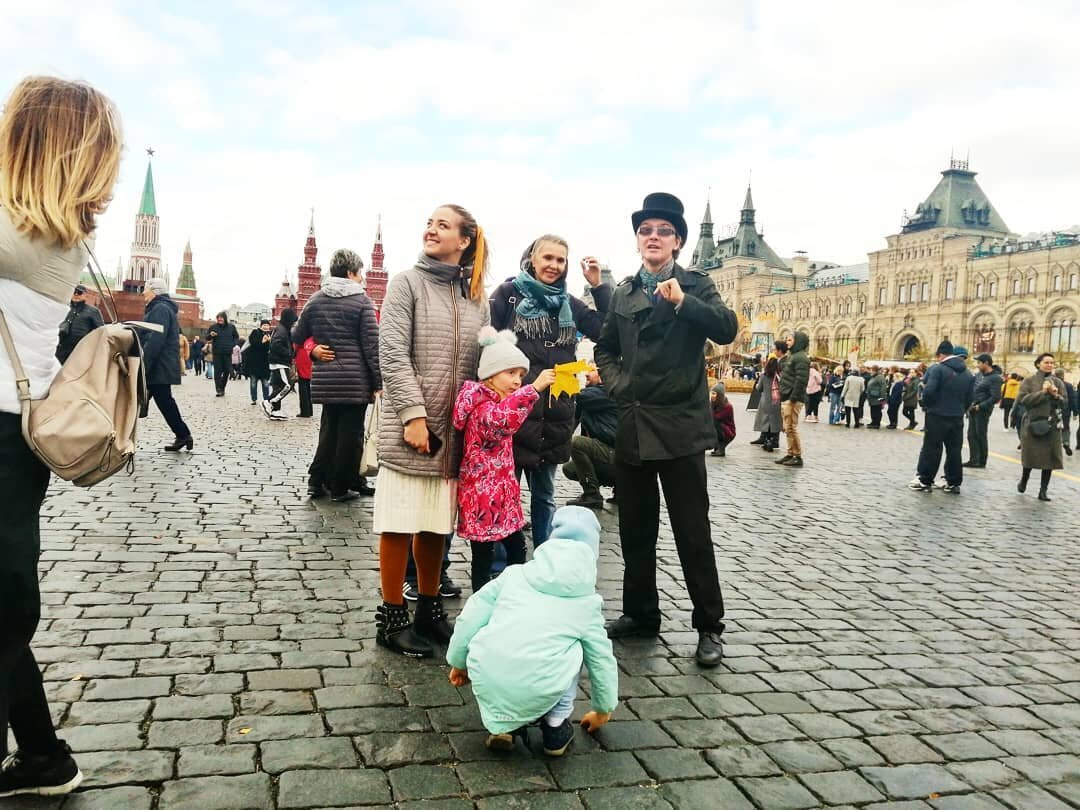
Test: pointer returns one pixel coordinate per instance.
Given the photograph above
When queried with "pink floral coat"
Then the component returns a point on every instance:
(489, 496)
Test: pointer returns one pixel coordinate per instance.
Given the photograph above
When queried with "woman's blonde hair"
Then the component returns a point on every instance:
(60, 147)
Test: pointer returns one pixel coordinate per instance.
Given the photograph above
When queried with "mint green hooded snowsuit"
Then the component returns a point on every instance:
(523, 636)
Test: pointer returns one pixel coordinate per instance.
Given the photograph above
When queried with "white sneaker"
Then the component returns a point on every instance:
(277, 416)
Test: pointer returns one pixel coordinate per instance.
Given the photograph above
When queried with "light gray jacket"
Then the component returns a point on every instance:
(427, 348)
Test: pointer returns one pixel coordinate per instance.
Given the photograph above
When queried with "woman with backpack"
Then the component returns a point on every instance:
(60, 147)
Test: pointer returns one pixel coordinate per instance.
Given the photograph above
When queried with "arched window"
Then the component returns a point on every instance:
(821, 344)
(1064, 332)
(1016, 286)
(984, 337)
(843, 344)
(1031, 285)
(1022, 333)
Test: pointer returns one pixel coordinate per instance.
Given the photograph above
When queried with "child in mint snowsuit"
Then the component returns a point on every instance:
(523, 637)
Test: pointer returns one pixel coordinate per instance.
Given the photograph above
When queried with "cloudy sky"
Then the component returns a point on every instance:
(557, 116)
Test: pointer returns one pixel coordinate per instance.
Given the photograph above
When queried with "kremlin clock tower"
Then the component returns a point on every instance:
(377, 277)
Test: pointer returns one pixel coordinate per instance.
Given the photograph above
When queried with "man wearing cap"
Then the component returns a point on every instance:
(948, 391)
(81, 320)
(985, 395)
(161, 356)
(651, 355)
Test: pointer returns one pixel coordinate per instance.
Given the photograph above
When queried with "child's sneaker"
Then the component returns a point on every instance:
(557, 738)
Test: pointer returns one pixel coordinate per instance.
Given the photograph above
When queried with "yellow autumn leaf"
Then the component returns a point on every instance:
(244, 731)
(566, 381)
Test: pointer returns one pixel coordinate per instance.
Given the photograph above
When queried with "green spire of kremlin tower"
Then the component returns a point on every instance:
(148, 205)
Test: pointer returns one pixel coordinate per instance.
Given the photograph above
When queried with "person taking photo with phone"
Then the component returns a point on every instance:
(427, 350)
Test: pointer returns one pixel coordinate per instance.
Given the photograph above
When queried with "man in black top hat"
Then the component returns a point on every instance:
(81, 320)
(651, 355)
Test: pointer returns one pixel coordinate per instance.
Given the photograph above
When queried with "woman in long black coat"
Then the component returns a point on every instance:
(547, 320)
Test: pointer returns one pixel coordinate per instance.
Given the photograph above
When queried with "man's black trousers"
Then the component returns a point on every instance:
(222, 370)
(942, 432)
(978, 440)
(163, 398)
(685, 490)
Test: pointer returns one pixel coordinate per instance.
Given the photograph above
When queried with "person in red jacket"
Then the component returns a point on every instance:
(303, 373)
(723, 419)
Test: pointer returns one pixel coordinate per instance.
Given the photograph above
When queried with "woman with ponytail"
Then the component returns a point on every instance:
(537, 307)
(427, 350)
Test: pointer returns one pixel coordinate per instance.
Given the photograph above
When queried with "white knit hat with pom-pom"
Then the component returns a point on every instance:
(498, 352)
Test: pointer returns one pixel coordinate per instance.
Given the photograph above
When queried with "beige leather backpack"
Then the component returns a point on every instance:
(84, 430)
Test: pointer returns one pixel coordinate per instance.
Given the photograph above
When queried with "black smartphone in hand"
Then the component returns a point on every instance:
(434, 443)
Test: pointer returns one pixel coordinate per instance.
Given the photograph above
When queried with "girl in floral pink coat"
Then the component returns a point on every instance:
(490, 412)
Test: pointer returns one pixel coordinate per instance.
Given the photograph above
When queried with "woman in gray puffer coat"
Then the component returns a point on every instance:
(427, 349)
(768, 421)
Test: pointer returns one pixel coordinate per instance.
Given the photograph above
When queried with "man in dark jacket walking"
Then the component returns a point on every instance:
(947, 394)
(592, 454)
(651, 355)
(795, 373)
(346, 377)
(81, 320)
(222, 336)
(280, 360)
(985, 395)
(161, 355)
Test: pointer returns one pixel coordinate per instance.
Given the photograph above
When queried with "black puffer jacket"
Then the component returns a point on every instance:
(81, 320)
(598, 414)
(342, 317)
(281, 344)
(223, 336)
(256, 364)
(161, 350)
(545, 436)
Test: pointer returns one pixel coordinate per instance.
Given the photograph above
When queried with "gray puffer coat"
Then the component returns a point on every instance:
(427, 348)
(342, 317)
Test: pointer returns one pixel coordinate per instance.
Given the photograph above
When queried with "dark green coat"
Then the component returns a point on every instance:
(796, 370)
(877, 389)
(652, 362)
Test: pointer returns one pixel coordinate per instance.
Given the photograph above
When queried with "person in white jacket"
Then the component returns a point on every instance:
(852, 392)
(49, 129)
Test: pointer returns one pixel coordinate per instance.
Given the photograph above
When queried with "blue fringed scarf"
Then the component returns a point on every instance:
(539, 303)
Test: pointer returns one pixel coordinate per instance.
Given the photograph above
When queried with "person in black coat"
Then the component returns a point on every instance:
(592, 453)
(222, 337)
(546, 319)
(161, 354)
(256, 360)
(280, 360)
(651, 355)
(81, 320)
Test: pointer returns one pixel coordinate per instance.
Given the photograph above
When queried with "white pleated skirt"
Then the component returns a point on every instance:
(408, 504)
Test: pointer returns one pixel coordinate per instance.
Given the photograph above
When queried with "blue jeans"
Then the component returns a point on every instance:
(564, 708)
(542, 494)
(254, 382)
(836, 408)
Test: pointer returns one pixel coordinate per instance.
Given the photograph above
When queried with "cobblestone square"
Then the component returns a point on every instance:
(208, 641)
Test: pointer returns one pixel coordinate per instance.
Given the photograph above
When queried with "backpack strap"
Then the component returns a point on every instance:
(22, 381)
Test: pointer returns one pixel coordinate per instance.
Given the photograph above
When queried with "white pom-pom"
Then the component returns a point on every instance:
(489, 337)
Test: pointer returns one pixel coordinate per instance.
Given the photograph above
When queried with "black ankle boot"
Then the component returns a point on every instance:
(394, 630)
(186, 443)
(1022, 486)
(431, 620)
(1042, 495)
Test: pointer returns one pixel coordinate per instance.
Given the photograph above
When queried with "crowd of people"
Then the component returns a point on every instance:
(463, 386)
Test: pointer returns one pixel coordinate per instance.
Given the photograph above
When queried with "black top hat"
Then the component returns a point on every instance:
(662, 206)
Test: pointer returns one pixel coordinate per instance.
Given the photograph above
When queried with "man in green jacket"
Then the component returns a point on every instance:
(793, 378)
(877, 393)
(651, 355)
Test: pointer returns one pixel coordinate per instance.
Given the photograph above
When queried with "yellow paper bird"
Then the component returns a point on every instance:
(566, 381)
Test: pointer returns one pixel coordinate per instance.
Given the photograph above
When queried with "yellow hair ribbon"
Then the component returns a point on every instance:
(476, 286)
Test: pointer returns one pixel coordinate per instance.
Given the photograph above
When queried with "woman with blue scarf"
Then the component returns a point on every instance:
(547, 321)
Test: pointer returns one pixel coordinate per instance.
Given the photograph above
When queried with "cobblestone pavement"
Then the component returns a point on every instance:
(208, 642)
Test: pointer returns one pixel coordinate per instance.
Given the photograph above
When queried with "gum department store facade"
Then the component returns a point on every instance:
(954, 271)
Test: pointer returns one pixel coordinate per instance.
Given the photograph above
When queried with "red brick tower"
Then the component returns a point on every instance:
(377, 276)
(284, 299)
(309, 274)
